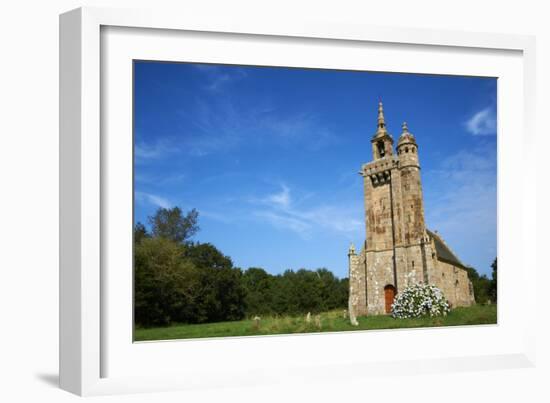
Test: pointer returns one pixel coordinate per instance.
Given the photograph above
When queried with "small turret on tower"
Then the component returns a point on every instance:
(407, 149)
(382, 141)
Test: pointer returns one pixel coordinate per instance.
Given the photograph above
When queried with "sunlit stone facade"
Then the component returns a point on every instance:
(399, 251)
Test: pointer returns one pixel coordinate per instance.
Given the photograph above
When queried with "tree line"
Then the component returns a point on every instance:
(485, 289)
(177, 280)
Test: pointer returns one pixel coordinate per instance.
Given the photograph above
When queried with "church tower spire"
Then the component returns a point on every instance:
(382, 141)
(381, 119)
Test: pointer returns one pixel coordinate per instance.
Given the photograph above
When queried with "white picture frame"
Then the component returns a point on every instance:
(89, 325)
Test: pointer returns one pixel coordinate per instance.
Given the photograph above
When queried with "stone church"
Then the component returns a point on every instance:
(399, 250)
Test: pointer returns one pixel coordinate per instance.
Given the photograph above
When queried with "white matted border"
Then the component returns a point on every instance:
(120, 46)
(87, 351)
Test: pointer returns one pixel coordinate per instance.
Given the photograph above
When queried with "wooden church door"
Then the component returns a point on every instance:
(389, 295)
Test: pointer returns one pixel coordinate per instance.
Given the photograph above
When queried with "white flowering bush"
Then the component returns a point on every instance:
(420, 300)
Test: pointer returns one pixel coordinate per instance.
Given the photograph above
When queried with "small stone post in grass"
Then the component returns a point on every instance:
(318, 321)
(257, 323)
(353, 298)
(352, 317)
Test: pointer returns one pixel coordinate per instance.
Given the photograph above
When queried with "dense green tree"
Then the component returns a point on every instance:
(185, 283)
(170, 223)
(302, 291)
(140, 232)
(334, 292)
(259, 286)
(480, 284)
(493, 286)
(207, 255)
(221, 294)
(165, 283)
(484, 288)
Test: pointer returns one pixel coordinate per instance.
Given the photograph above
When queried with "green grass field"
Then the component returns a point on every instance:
(330, 322)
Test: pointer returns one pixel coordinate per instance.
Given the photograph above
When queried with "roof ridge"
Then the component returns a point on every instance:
(449, 250)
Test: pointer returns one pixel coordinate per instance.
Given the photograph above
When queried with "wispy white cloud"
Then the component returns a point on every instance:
(282, 211)
(483, 122)
(165, 179)
(155, 150)
(153, 199)
(305, 128)
(461, 197)
(216, 123)
(219, 82)
(334, 217)
(219, 78)
(221, 125)
(221, 217)
(286, 222)
(280, 199)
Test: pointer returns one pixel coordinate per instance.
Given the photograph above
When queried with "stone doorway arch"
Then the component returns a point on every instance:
(389, 296)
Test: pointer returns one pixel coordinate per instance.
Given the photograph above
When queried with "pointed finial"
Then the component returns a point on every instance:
(351, 249)
(380, 112)
(406, 135)
(381, 120)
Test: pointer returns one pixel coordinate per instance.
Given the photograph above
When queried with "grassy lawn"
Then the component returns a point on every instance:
(330, 322)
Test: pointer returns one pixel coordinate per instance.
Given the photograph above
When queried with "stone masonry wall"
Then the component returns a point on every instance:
(413, 210)
(379, 274)
(409, 266)
(378, 215)
(454, 283)
(357, 290)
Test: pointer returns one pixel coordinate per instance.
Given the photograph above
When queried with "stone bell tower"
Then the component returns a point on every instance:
(396, 247)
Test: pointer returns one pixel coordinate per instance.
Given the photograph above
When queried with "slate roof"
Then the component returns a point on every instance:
(444, 253)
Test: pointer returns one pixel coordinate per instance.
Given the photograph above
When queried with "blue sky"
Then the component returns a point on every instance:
(270, 157)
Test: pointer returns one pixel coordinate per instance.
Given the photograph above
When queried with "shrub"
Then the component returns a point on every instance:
(420, 300)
